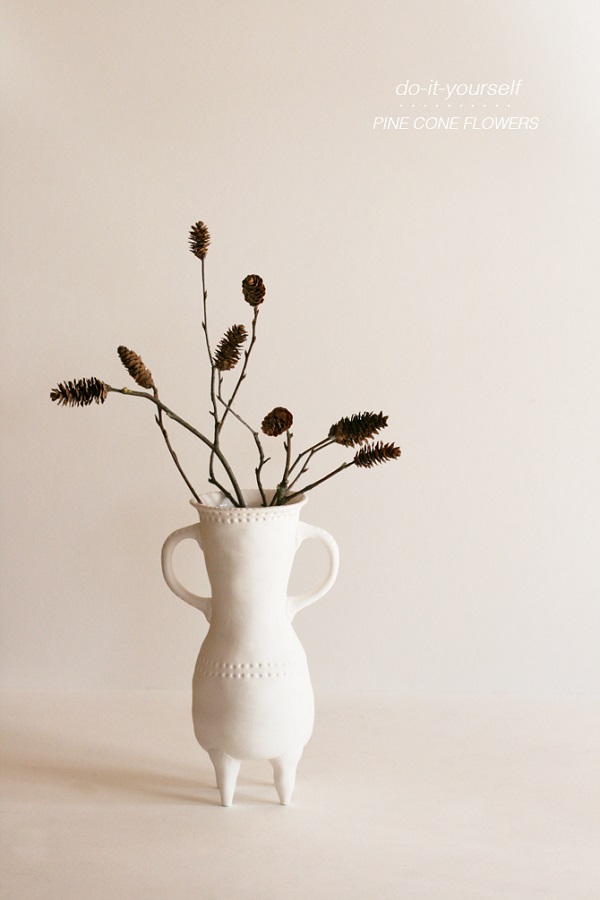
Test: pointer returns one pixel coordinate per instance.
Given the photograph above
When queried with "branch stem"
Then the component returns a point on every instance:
(229, 403)
(161, 425)
(239, 497)
(311, 450)
(217, 393)
(257, 441)
(215, 449)
(204, 316)
(283, 484)
(309, 487)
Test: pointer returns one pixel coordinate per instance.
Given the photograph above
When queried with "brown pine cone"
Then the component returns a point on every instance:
(136, 368)
(277, 421)
(199, 239)
(79, 393)
(254, 290)
(352, 430)
(375, 453)
(229, 351)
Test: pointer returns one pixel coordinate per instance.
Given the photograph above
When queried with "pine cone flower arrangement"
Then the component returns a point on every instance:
(355, 429)
(277, 421)
(373, 454)
(253, 289)
(136, 368)
(199, 239)
(81, 392)
(229, 350)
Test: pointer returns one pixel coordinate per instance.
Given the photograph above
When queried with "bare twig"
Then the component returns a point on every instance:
(261, 454)
(282, 487)
(215, 449)
(159, 421)
(309, 487)
(239, 497)
(309, 453)
(247, 352)
(217, 393)
(204, 317)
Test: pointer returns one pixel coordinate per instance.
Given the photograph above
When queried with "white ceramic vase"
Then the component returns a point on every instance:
(252, 694)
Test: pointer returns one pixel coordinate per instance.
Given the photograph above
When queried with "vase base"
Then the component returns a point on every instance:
(226, 771)
(284, 774)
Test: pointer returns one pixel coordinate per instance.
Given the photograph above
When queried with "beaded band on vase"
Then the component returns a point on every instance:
(234, 515)
(211, 511)
(215, 669)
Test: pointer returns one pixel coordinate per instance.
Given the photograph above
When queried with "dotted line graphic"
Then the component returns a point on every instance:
(459, 105)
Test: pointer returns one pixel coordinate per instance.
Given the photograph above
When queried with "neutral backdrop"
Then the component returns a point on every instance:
(449, 279)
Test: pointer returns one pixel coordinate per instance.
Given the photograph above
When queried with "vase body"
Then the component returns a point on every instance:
(252, 694)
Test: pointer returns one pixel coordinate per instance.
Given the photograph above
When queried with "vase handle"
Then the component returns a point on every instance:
(305, 532)
(191, 532)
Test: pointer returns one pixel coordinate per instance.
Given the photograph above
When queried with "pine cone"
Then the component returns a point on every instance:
(229, 351)
(277, 421)
(352, 430)
(254, 290)
(375, 453)
(136, 368)
(80, 393)
(199, 239)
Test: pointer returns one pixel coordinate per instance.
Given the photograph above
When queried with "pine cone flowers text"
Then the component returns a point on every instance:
(373, 454)
(253, 289)
(277, 421)
(353, 430)
(82, 392)
(229, 351)
(136, 368)
(199, 239)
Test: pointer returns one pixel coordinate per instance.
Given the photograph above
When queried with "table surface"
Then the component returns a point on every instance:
(107, 794)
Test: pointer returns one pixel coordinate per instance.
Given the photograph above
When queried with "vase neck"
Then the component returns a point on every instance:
(249, 563)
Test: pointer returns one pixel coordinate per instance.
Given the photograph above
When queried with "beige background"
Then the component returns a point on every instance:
(449, 279)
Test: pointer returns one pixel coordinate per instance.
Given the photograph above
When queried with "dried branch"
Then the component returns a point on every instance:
(159, 421)
(261, 455)
(238, 500)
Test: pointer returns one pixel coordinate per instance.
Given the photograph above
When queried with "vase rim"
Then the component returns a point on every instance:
(216, 500)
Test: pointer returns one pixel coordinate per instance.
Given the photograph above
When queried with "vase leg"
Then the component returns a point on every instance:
(284, 771)
(226, 770)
